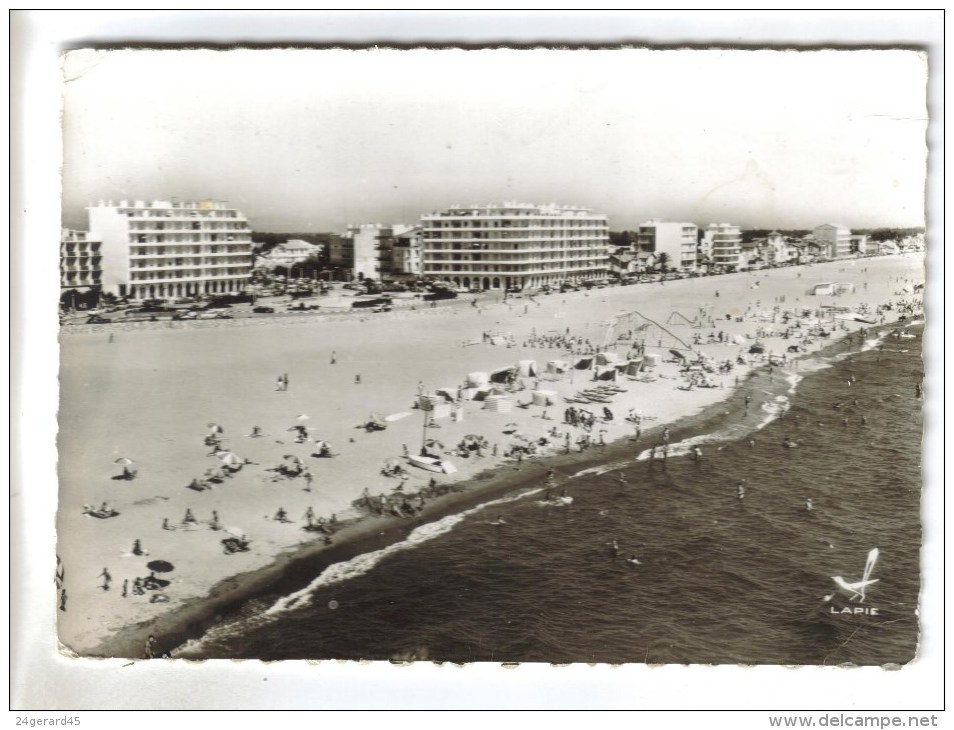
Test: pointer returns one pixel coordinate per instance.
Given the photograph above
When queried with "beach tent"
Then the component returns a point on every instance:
(544, 397)
(481, 394)
(502, 375)
(558, 367)
(477, 379)
(498, 403)
(584, 363)
(449, 394)
(607, 374)
(527, 368)
(823, 289)
(633, 367)
(607, 358)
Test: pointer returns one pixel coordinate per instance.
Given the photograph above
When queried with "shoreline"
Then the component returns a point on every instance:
(208, 593)
(294, 568)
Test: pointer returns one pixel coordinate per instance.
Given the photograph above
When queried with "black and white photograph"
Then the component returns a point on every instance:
(456, 355)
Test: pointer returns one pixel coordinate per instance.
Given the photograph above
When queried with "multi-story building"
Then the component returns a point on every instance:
(81, 262)
(406, 254)
(724, 240)
(835, 240)
(287, 254)
(678, 241)
(366, 251)
(514, 245)
(168, 249)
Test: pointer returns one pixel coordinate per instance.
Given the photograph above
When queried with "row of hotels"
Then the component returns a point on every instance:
(170, 249)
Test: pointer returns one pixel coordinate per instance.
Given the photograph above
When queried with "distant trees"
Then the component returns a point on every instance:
(662, 261)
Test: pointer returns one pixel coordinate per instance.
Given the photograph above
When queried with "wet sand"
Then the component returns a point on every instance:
(150, 393)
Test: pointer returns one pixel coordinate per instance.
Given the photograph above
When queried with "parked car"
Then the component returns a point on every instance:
(263, 310)
(96, 319)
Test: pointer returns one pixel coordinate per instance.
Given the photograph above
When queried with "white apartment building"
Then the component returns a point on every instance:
(512, 246)
(677, 240)
(724, 241)
(81, 261)
(406, 254)
(167, 249)
(288, 253)
(367, 250)
(835, 238)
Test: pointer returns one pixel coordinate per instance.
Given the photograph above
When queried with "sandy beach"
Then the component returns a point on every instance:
(149, 392)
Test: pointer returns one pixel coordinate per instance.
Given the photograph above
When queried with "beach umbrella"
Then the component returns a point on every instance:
(230, 458)
(510, 428)
(303, 417)
(678, 354)
(292, 459)
(215, 428)
(123, 461)
(160, 566)
(433, 444)
(322, 444)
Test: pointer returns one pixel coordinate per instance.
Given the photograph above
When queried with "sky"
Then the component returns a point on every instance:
(315, 140)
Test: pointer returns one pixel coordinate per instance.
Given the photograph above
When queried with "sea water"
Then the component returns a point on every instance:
(719, 580)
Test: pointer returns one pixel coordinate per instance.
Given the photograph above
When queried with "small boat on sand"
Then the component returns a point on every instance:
(432, 463)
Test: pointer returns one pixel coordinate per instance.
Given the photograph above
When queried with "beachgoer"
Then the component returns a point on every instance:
(165, 523)
(281, 515)
(615, 547)
(357, 379)
(632, 560)
(63, 600)
(309, 516)
(214, 523)
(333, 359)
(808, 505)
(189, 517)
(150, 649)
(256, 431)
(740, 490)
(137, 547)
(125, 587)
(107, 579)
(137, 587)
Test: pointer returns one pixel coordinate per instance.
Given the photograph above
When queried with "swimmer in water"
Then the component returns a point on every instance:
(632, 560)
(614, 546)
(740, 490)
(499, 521)
(621, 478)
(808, 505)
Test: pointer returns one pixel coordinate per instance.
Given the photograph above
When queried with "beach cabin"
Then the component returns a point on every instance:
(527, 368)
(824, 290)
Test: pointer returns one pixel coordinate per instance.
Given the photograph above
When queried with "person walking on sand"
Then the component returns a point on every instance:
(125, 587)
(107, 579)
(333, 358)
(308, 478)
(357, 379)
(214, 523)
(309, 516)
(63, 600)
(149, 651)
(137, 547)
